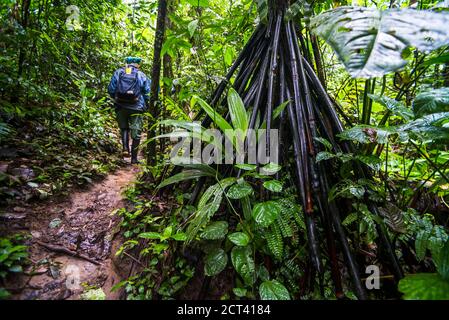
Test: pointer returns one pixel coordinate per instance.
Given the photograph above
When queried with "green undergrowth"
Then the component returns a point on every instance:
(53, 149)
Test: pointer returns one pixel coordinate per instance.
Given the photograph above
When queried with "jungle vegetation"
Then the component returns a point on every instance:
(358, 91)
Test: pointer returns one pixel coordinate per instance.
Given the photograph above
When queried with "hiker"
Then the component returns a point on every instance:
(130, 88)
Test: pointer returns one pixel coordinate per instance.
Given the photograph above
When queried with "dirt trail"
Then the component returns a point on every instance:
(81, 223)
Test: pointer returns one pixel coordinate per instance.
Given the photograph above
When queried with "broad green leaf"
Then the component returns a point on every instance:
(246, 167)
(240, 292)
(266, 212)
(208, 205)
(237, 110)
(370, 43)
(324, 142)
(240, 190)
(431, 101)
(273, 185)
(271, 168)
(324, 155)
(396, 107)
(368, 134)
(216, 230)
(242, 260)
(180, 236)
(239, 238)
(442, 261)
(273, 290)
(371, 161)
(167, 233)
(424, 286)
(228, 56)
(192, 27)
(215, 262)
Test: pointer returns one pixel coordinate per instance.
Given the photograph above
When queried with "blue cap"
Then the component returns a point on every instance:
(133, 60)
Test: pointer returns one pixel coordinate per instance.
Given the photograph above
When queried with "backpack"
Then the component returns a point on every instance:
(128, 88)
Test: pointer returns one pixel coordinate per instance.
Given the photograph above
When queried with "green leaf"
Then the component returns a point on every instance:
(184, 175)
(370, 43)
(228, 56)
(192, 27)
(237, 110)
(180, 236)
(150, 235)
(265, 213)
(216, 230)
(167, 233)
(246, 167)
(271, 168)
(239, 238)
(424, 286)
(371, 161)
(242, 260)
(273, 290)
(198, 3)
(221, 123)
(215, 262)
(240, 190)
(240, 292)
(396, 107)
(273, 185)
(431, 101)
(324, 155)
(368, 134)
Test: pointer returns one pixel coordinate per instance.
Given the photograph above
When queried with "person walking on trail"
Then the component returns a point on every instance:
(130, 90)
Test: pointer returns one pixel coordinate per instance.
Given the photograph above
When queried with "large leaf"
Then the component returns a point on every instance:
(216, 230)
(431, 101)
(242, 260)
(239, 238)
(266, 212)
(208, 205)
(396, 107)
(424, 286)
(240, 190)
(273, 290)
(239, 117)
(215, 262)
(371, 43)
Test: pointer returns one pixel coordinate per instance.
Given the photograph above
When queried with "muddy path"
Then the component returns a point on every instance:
(72, 240)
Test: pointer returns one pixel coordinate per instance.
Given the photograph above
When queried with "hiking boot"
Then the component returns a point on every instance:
(134, 151)
(125, 142)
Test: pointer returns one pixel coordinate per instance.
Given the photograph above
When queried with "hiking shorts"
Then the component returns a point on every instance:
(129, 119)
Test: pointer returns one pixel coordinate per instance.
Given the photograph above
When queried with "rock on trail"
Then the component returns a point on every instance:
(72, 240)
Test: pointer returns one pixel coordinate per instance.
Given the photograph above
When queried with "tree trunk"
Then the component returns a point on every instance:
(155, 79)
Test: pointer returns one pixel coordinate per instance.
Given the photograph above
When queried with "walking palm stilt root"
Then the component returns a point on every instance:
(271, 69)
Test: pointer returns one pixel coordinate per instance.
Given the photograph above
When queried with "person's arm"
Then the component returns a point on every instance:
(146, 88)
(113, 85)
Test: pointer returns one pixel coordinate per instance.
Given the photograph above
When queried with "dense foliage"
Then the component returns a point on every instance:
(375, 89)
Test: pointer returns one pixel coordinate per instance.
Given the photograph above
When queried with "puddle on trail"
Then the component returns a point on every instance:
(81, 223)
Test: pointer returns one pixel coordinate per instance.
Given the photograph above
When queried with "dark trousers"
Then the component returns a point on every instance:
(131, 120)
